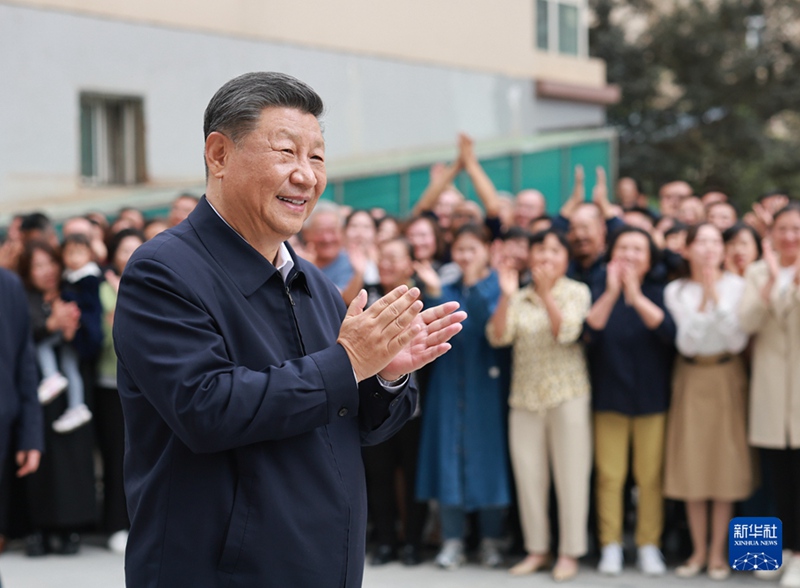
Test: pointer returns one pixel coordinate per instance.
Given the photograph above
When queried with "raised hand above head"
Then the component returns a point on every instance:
(578, 195)
(466, 149)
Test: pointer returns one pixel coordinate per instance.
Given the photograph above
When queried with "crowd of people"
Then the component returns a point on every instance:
(71, 283)
(657, 334)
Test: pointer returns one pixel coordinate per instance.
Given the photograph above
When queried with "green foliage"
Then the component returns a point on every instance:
(711, 91)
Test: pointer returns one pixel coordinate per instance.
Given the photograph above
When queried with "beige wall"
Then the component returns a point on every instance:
(475, 35)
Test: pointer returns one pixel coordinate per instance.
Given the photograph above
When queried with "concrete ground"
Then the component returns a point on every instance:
(95, 567)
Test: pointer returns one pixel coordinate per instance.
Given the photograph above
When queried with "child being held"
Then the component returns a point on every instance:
(82, 285)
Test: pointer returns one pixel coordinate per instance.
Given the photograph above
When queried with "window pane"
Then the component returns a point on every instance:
(112, 139)
(115, 144)
(542, 37)
(87, 142)
(568, 29)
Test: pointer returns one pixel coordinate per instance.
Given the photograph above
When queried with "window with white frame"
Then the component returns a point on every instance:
(562, 26)
(112, 139)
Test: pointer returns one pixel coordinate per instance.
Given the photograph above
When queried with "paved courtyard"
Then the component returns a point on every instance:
(95, 567)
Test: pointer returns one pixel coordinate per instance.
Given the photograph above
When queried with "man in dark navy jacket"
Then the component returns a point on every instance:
(247, 386)
(20, 411)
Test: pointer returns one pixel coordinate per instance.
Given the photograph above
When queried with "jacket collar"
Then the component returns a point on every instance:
(244, 266)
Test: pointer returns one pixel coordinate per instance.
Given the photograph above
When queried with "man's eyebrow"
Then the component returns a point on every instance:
(288, 133)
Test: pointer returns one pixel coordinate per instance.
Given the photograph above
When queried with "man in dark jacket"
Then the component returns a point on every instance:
(247, 387)
(20, 412)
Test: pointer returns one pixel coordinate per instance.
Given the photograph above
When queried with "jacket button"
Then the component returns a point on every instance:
(377, 395)
(342, 412)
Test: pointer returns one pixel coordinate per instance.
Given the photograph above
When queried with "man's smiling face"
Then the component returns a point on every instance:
(274, 175)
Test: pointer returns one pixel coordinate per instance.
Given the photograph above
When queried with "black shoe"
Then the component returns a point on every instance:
(35, 546)
(410, 555)
(70, 544)
(383, 554)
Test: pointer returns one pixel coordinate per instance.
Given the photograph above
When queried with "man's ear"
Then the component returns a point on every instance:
(218, 147)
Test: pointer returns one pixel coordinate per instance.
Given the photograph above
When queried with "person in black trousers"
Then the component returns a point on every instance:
(381, 462)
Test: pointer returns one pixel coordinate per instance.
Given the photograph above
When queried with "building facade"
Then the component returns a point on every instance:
(102, 100)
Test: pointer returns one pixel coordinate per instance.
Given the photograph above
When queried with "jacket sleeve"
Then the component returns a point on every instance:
(89, 338)
(30, 423)
(382, 413)
(172, 352)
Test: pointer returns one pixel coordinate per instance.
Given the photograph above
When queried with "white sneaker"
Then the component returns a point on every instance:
(118, 541)
(51, 387)
(451, 556)
(791, 577)
(611, 560)
(651, 561)
(490, 554)
(72, 419)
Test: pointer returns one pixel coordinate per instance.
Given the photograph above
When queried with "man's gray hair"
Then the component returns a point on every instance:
(323, 207)
(236, 107)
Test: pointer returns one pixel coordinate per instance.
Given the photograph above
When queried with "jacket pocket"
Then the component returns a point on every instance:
(237, 529)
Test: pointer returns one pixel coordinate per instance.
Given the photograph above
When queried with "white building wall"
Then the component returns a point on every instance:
(372, 104)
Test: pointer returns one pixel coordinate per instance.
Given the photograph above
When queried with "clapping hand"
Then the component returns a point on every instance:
(508, 277)
(466, 149)
(437, 326)
(392, 337)
(64, 317)
(600, 190)
(578, 195)
(709, 284)
(544, 278)
(600, 194)
(613, 278)
(631, 286)
(428, 276)
(113, 279)
(768, 254)
(358, 258)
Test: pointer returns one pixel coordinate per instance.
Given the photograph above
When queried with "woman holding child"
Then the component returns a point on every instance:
(61, 495)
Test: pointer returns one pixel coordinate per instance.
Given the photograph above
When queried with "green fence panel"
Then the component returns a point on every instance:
(550, 171)
(383, 191)
(418, 180)
(542, 171)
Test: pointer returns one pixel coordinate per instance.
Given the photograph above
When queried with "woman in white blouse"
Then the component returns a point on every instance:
(707, 456)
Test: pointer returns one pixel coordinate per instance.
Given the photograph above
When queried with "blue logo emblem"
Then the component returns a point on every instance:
(755, 543)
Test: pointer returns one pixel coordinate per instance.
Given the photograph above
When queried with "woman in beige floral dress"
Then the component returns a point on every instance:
(550, 418)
